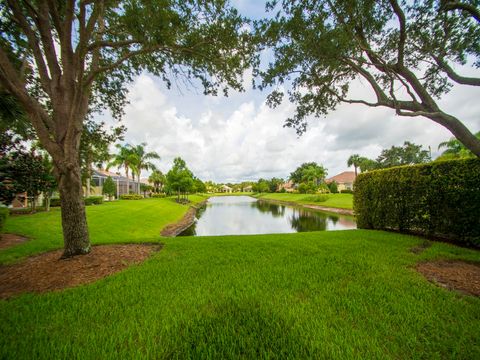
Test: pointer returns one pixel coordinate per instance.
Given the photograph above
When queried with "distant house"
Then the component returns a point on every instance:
(247, 188)
(344, 180)
(99, 176)
(289, 186)
(225, 189)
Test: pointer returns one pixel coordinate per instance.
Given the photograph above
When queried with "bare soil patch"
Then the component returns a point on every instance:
(8, 240)
(453, 275)
(47, 272)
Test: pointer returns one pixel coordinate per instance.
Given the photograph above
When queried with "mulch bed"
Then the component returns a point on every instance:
(47, 272)
(453, 275)
(8, 240)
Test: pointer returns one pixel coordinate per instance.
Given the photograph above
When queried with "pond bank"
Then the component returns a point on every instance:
(310, 206)
(185, 222)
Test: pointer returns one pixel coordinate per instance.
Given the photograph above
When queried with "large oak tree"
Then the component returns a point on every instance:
(407, 52)
(62, 59)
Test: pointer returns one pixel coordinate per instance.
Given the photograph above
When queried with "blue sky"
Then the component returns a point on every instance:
(236, 138)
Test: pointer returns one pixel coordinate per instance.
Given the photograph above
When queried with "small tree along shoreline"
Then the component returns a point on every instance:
(64, 60)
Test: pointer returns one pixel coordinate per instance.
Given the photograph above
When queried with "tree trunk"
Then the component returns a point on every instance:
(47, 200)
(74, 220)
(128, 180)
(460, 131)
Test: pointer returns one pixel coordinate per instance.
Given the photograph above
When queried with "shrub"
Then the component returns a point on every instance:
(158, 195)
(346, 191)
(131, 197)
(333, 187)
(440, 199)
(4, 212)
(54, 202)
(316, 198)
(307, 188)
(109, 187)
(94, 200)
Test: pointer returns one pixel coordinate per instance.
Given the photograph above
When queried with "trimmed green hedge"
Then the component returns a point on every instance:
(158, 195)
(439, 199)
(54, 202)
(91, 200)
(131, 197)
(94, 200)
(4, 212)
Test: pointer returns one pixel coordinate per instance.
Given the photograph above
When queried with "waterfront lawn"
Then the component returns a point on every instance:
(123, 221)
(341, 294)
(341, 201)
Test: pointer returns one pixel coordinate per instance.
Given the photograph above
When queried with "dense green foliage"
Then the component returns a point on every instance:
(158, 179)
(109, 187)
(307, 295)
(180, 179)
(94, 200)
(131, 197)
(454, 149)
(309, 172)
(333, 187)
(405, 53)
(441, 199)
(4, 212)
(23, 170)
(408, 154)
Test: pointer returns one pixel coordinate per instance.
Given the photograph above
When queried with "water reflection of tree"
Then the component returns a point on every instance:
(302, 220)
(269, 208)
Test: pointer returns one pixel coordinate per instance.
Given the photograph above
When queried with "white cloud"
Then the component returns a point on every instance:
(241, 138)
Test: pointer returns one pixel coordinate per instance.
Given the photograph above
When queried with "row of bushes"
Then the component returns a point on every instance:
(91, 200)
(158, 195)
(438, 199)
(131, 197)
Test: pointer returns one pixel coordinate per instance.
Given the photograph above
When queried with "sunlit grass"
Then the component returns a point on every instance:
(112, 222)
(342, 201)
(342, 294)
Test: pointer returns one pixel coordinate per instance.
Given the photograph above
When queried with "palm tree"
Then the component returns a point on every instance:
(354, 160)
(140, 160)
(455, 149)
(125, 158)
(157, 179)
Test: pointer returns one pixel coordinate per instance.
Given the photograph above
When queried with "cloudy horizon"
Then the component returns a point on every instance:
(239, 138)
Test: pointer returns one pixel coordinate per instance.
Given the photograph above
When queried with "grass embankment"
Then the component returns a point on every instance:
(124, 221)
(341, 294)
(340, 201)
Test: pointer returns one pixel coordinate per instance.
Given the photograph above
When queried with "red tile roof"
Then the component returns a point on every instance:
(342, 178)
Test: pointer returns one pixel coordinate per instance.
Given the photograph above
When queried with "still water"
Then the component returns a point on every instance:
(238, 215)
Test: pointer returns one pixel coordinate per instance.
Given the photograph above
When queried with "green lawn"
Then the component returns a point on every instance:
(342, 294)
(342, 201)
(112, 222)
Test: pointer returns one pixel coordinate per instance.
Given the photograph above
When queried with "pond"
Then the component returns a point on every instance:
(238, 215)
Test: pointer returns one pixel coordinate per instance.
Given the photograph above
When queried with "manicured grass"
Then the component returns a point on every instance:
(112, 222)
(340, 294)
(341, 201)
(344, 295)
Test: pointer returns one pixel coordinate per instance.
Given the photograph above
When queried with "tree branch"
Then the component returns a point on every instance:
(464, 80)
(34, 45)
(111, 44)
(455, 5)
(403, 35)
(12, 82)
